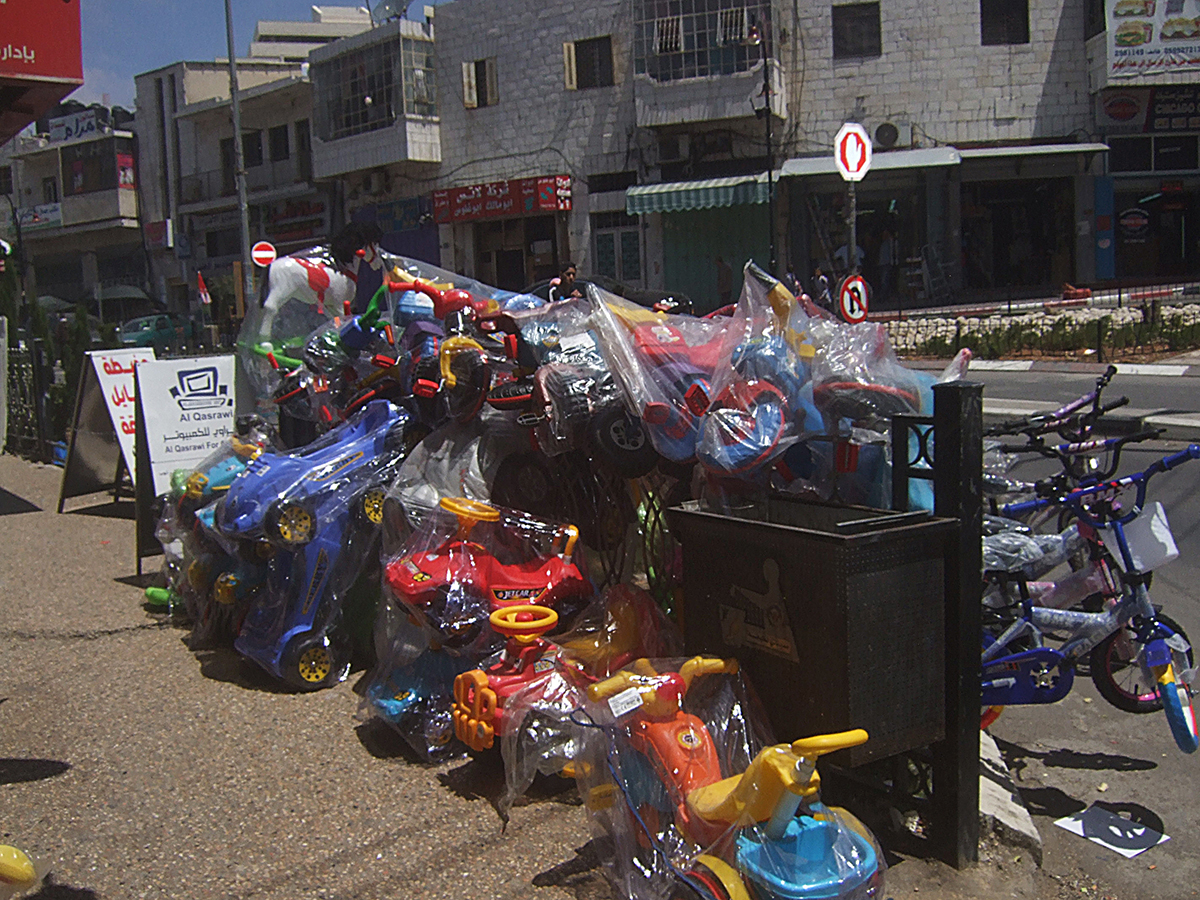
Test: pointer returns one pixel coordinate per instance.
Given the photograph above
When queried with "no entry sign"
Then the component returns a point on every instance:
(263, 253)
(852, 151)
(852, 299)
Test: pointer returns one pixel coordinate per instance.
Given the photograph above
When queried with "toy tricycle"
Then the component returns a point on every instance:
(761, 833)
(456, 583)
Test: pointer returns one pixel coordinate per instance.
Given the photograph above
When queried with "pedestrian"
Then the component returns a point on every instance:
(724, 281)
(841, 258)
(790, 281)
(564, 287)
(820, 291)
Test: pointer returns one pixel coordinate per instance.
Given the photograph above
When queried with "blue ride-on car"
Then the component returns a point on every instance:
(321, 506)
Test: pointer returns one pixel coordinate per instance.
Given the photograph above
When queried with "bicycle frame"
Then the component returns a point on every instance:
(1027, 677)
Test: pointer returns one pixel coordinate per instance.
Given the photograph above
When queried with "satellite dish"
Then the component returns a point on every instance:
(387, 10)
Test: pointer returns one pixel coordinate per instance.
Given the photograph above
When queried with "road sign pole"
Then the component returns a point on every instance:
(852, 249)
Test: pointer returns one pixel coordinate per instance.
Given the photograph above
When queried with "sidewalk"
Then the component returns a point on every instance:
(133, 767)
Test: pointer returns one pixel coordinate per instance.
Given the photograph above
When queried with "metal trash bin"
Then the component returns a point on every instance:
(835, 612)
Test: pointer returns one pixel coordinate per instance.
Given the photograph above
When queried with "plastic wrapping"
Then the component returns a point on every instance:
(1029, 555)
(858, 377)
(321, 508)
(683, 787)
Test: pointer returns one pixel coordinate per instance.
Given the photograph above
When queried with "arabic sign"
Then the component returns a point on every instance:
(41, 40)
(114, 372)
(64, 128)
(1148, 37)
(518, 197)
(187, 412)
(47, 215)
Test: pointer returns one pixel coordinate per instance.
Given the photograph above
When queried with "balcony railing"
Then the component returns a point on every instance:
(204, 186)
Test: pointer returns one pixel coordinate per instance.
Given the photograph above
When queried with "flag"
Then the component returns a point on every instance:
(205, 297)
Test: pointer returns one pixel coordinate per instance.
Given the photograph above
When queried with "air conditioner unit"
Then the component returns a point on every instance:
(893, 134)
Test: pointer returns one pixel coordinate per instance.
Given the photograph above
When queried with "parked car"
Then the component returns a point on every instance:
(159, 332)
(667, 301)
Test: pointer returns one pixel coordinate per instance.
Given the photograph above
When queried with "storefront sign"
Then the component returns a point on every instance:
(1163, 109)
(296, 220)
(40, 40)
(187, 412)
(518, 197)
(160, 235)
(47, 215)
(64, 128)
(125, 172)
(1134, 225)
(1149, 37)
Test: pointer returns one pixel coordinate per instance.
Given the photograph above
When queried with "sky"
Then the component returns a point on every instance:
(122, 38)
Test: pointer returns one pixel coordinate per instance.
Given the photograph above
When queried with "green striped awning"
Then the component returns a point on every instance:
(677, 196)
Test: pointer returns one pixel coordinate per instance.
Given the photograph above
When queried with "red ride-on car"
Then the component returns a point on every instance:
(491, 561)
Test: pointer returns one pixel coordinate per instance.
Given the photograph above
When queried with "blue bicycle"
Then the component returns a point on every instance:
(1019, 669)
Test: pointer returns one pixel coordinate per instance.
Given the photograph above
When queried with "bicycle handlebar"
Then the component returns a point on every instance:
(1077, 498)
(1044, 423)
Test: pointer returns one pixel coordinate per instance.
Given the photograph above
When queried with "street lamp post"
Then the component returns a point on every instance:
(759, 39)
(239, 162)
(20, 259)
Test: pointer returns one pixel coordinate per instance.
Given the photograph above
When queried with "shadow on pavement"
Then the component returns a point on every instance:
(582, 870)
(11, 504)
(52, 891)
(17, 771)
(383, 742)
(1014, 754)
(121, 509)
(1050, 801)
(227, 665)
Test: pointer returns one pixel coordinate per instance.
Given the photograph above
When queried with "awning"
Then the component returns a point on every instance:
(677, 196)
(880, 162)
(1029, 150)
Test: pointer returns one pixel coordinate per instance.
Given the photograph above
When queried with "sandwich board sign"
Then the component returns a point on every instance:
(101, 449)
(185, 412)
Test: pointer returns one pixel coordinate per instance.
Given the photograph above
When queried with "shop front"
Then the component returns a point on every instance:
(1153, 188)
(407, 227)
(513, 232)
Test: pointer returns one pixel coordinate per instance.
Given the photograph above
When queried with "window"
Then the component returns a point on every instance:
(367, 89)
(600, 182)
(6, 185)
(1175, 153)
(50, 189)
(225, 242)
(593, 63)
(88, 167)
(617, 240)
(420, 79)
(697, 38)
(856, 31)
(479, 83)
(1093, 19)
(252, 149)
(1003, 22)
(277, 138)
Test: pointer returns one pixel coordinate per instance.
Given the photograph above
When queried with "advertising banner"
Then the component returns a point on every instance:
(518, 197)
(1148, 37)
(187, 411)
(40, 40)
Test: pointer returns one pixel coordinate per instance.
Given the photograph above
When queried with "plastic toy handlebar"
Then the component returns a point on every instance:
(509, 621)
(812, 747)
(451, 347)
(569, 534)
(705, 665)
(277, 360)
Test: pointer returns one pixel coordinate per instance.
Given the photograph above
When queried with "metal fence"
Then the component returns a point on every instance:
(27, 387)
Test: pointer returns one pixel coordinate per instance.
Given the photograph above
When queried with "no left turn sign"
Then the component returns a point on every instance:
(263, 253)
(852, 299)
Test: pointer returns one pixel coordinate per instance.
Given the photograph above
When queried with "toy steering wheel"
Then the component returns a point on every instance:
(509, 622)
(469, 512)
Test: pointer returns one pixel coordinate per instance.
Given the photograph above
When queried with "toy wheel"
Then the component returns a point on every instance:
(371, 504)
(523, 621)
(1118, 676)
(225, 590)
(312, 662)
(620, 439)
(291, 523)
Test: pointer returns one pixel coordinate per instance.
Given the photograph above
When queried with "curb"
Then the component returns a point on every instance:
(1160, 370)
(1001, 810)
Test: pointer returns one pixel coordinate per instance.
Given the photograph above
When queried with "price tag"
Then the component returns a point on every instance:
(625, 702)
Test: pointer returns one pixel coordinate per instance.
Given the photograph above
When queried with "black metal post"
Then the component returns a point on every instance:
(20, 260)
(758, 37)
(958, 493)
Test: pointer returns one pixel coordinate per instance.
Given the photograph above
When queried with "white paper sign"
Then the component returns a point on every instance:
(188, 412)
(114, 371)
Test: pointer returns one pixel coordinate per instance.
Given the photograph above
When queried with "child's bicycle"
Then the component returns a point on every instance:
(1019, 669)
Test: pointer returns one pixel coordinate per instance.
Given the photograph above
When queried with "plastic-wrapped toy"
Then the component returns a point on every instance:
(307, 503)
(17, 872)
(472, 558)
(693, 805)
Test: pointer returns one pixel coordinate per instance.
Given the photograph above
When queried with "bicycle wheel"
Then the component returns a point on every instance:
(1177, 702)
(1119, 677)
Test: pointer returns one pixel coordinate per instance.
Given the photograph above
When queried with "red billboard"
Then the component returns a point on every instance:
(41, 59)
(518, 197)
